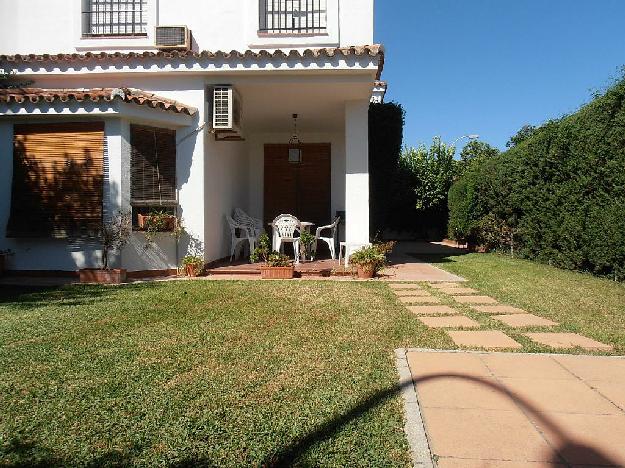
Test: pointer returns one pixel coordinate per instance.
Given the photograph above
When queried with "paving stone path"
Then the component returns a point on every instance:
(432, 311)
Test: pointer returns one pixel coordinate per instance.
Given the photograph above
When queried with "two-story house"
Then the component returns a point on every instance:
(185, 106)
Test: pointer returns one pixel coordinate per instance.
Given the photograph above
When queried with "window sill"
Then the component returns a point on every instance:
(112, 36)
(291, 34)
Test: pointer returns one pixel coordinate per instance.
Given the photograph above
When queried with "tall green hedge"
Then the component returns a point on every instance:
(386, 133)
(557, 197)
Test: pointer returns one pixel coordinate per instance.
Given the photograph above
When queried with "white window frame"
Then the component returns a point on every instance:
(115, 42)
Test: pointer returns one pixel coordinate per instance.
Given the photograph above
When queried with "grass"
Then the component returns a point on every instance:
(580, 303)
(204, 373)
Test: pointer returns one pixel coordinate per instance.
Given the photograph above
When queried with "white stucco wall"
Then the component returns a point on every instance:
(54, 26)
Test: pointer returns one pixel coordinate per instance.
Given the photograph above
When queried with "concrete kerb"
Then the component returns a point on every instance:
(420, 452)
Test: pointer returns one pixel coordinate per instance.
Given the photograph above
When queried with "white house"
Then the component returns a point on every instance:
(114, 80)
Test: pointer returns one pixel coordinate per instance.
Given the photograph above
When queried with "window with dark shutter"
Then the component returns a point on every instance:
(153, 167)
(58, 180)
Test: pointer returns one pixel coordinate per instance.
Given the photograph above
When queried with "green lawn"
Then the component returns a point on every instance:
(208, 373)
(243, 373)
(580, 303)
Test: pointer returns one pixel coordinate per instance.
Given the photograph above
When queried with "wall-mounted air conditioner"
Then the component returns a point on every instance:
(227, 109)
(172, 37)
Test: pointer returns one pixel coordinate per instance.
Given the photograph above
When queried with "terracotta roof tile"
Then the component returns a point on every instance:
(135, 96)
(375, 50)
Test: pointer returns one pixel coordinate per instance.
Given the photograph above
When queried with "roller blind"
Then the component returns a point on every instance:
(152, 166)
(58, 180)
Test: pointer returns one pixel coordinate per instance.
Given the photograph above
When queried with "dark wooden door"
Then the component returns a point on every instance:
(301, 189)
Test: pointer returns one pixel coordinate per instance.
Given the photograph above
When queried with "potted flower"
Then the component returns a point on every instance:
(371, 259)
(157, 221)
(4, 255)
(113, 237)
(275, 265)
(193, 265)
(307, 242)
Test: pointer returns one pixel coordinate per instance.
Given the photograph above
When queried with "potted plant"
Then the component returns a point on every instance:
(113, 237)
(157, 221)
(369, 260)
(306, 242)
(4, 254)
(193, 265)
(275, 265)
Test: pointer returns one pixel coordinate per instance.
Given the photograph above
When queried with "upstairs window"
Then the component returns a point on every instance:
(293, 16)
(114, 18)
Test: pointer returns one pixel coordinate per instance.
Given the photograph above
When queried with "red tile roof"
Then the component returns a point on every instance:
(135, 96)
(375, 50)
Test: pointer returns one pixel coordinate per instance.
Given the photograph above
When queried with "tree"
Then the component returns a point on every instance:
(523, 134)
(432, 172)
(478, 150)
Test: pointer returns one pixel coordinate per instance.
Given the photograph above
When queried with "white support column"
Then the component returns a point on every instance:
(114, 133)
(357, 172)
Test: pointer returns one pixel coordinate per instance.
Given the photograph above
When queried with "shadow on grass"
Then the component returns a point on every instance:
(568, 450)
(32, 297)
(435, 258)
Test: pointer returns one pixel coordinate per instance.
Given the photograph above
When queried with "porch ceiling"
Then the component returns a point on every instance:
(268, 107)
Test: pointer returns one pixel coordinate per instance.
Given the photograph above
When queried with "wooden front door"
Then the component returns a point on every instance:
(301, 189)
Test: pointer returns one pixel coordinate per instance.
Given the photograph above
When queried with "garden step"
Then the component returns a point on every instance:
(451, 321)
(475, 300)
(524, 320)
(399, 286)
(420, 300)
(567, 340)
(498, 309)
(432, 310)
(491, 339)
(411, 292)
(458, 291)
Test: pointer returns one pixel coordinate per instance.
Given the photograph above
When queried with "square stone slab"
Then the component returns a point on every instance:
(498, 309)
(567, 340)
(458, 291)
(445, 285)
(399, 286)
(492, 339)
(451, 321)
(411, 292)
(524, 320)
(420, 300)
(475, 300)
(525, 366)
(484, 434)
(433, 310)
(593, 368)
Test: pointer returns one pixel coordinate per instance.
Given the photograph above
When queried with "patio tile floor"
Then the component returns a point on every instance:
(567, 340)
(524, 320)
(517, 410)
(451, 321)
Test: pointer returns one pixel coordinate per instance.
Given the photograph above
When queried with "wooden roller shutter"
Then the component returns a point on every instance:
(152, 166)
(58, 180)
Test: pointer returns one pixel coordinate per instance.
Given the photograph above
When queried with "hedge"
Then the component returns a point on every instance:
(557, 197)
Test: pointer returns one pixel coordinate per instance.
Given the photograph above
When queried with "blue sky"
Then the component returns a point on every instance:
(491, 66)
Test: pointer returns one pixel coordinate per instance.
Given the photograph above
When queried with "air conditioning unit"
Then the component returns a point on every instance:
(172, 37)
(227, 110)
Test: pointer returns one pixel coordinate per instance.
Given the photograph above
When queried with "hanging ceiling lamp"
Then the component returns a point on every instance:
(295, 150)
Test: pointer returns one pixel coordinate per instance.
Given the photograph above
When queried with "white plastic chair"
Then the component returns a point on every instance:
(284, 228)
(239, 233)
(256, 225)
(331, 241)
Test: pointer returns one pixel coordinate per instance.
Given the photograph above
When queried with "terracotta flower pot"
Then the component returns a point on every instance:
(191, 270)
(365, 272)
(98, 275)
(169, 222)
(268, 272)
